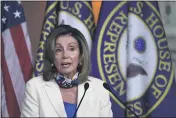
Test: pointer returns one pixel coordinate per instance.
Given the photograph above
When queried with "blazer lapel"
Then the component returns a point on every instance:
(82, 111)
(80, 95)
(54, 95)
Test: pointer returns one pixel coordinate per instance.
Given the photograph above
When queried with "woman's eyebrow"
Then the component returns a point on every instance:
(72, 43)
(58, 44)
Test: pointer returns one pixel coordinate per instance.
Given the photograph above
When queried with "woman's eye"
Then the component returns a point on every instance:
(72, 49)
(58, 50)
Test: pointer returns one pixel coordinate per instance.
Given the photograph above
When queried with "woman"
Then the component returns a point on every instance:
(59, 91)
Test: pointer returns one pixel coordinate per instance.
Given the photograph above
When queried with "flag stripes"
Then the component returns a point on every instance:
(16, 58)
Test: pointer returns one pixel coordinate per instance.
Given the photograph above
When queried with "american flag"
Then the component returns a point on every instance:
(16, 64)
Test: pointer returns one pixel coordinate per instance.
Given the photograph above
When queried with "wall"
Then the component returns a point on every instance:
(168, 13)
(34, 13)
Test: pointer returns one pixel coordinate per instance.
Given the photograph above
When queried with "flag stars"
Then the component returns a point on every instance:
(17, 14)
(4, 20)
(6, 7)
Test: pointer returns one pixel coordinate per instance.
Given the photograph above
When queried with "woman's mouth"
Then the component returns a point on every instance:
(65, 64)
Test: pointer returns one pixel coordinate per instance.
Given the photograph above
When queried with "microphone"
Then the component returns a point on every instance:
(106, 86)
(86, 86)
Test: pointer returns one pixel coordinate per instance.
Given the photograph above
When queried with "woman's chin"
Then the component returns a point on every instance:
(68, 73)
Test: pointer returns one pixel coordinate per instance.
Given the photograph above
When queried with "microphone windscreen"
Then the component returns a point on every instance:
(106, 86)
(86, 86)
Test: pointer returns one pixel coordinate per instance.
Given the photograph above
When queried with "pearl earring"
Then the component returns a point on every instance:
(80, 63)
(52, 65)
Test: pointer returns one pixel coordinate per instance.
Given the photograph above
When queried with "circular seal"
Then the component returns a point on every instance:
(79, 15)
(133, 56)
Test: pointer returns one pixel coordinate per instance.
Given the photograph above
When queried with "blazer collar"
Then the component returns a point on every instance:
(82, 111)
(54, 95)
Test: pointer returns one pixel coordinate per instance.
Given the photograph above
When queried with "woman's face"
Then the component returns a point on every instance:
(67, 55)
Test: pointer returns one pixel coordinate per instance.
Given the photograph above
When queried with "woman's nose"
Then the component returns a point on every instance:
(65, 54)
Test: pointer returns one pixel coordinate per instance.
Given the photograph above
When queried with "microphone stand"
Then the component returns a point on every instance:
(106, 86)
(86, 86)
